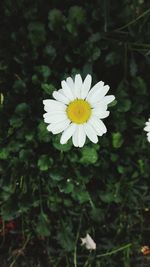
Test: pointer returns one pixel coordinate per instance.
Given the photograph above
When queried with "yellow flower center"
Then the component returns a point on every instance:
(79, 111)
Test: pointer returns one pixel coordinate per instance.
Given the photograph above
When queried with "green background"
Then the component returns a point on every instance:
(56, 194)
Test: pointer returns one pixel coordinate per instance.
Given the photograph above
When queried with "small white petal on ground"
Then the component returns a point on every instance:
(88, 242)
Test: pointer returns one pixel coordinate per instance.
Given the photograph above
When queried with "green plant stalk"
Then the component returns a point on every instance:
(133, 21)
(77, 237)
(114, 251)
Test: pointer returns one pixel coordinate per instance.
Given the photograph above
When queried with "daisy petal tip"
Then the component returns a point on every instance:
(62, 142)
(113, 98)
(78, 76)
(54, 93)
(95, 141)
(45, 101)
(88, 76)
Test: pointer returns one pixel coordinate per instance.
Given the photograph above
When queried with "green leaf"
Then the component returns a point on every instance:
(16, 122)
(68, 188)
(56, 176)
(4, 153)
(50, 51)
(66, 237)
(139, 84)
(58, 146)
(107, 197)
(25, 154)
(44, 162)
(19, 86)
(89, 155)
(43, 71)
(56, 19)
(36, 33)
(22, 108)
(124, 105)
(113, 58)
(76, 15)
(43, 225)
(117, 140)
(83, 197)
(96, 53)
(48, 88)
(76, 18)
(43, 134)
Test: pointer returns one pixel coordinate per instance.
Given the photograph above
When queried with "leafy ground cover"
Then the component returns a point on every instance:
(52, 195)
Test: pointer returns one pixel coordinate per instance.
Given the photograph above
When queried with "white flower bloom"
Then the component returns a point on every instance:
(147, 129)
(78, 110)
(88, 242)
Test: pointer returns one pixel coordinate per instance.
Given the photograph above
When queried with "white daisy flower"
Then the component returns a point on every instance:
(147, 129)
(78, 110)
(88, 242)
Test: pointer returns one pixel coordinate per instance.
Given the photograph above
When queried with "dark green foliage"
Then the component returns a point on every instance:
(57, 193)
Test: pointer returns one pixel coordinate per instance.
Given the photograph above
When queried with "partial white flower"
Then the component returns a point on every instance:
(88, 242)
(147, 129)
(78, 110)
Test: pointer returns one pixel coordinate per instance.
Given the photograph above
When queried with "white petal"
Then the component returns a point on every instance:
(95, 122)
(56, 128)
(108, 99)
(60, 97)
(100, 105)
(53, 108)
(98, 94)
(103, 127)
(86, 86)
(75, 139)
(147, 128)
(101, 114)
(90, 132)
(103, 103)
(52, 103)
(90, 242)
(96, 87)
(51, 114)
(54, 117)
(78, 84)
(70, 82)
(66, 90)
(81, 136)
(61, 91)
(148, 137)
(68, 133)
